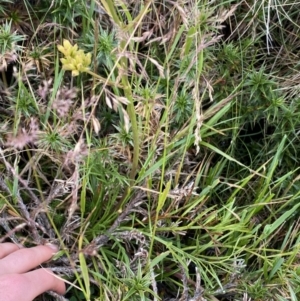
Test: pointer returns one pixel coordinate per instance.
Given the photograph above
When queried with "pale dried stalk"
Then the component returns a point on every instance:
(38, 203)
(24, 212)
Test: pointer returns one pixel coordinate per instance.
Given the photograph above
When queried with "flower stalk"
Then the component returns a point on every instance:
(76, 61)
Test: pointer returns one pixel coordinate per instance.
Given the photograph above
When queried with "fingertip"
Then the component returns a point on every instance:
(58, 284)
(53, 247)
(61, 287)
(42, 280)
(23, 260)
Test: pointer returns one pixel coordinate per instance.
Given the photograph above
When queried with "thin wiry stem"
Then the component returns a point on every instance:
(38, 203)
(24, 211)
(102, 240)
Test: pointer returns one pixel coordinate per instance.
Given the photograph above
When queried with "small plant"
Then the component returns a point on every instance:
(9, 41)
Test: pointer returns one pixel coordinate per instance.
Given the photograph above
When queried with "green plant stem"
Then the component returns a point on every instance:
(131, 113)
(135, 132)
(110, 8)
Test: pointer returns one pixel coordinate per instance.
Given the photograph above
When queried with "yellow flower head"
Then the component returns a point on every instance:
(74, 60)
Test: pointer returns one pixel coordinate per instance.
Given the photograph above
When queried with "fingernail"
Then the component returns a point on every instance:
(53, 247)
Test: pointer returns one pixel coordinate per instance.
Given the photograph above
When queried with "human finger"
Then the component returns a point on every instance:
(24, 260)
(42, 280)
(28, 286)
(7, 248)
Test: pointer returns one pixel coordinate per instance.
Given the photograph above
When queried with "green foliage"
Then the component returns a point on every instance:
(9, 41)
(168, 168)
(104, 47)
